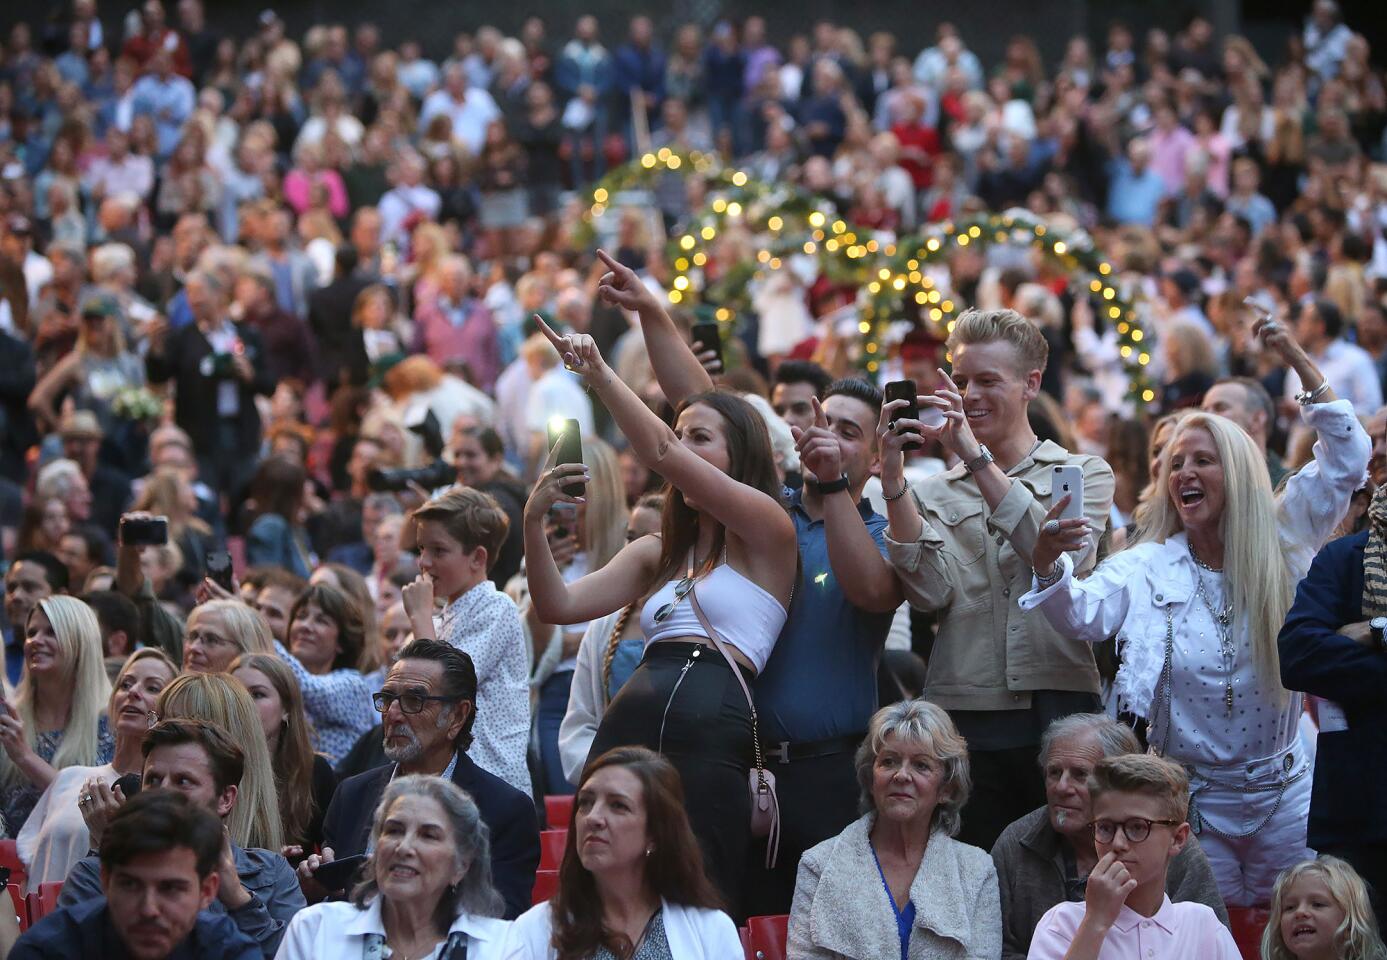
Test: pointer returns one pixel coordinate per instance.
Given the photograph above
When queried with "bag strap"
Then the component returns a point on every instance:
(718, 642)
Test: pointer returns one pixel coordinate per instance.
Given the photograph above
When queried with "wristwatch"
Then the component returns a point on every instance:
(983, 458)
(1378, 625)
(832, 486)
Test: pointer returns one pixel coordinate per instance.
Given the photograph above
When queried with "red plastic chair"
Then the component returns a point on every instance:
(1248, 924)
(558, 811)
(746, 943)
(9, 857)
(551, 846)
(767, 936)
(546, 885)
(47, 900)
(21, 906)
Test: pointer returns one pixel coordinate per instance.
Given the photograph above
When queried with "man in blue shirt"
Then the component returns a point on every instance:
(819, 687)
(168, 98)
(1134, 189)
(33, 576)
(159, 872)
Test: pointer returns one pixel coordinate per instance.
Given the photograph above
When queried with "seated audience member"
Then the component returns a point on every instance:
(326, 634)
(632, 874)
(1045, 857)
(459, 534)
(219, 631)
(57, 717)
(277, 537)
(274, 598)
(1329, 648)
(608, 654)
(895, 882)
(31, 577)
(1320, 909)
(426, 885)
(55, 836)
(160, 871)
(1140, 802)
(203, 762)
(279, 703)
(395, 635)
(358, 554)
(354, 586)
(429, 705)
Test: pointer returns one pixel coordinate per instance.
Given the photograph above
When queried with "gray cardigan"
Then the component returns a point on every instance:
(841, 910)
(1030, 875)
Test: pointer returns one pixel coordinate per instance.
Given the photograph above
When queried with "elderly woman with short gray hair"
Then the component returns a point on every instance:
(896, 882)
(425, 889)
(1045, 857)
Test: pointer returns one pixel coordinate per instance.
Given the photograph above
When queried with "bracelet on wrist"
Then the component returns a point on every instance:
(1053, 577)
(895, 496)
(1307, 397)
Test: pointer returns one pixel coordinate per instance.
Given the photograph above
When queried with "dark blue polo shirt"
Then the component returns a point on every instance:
(821, 679)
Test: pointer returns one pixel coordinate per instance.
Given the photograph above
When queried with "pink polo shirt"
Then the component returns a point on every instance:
(1177, 931)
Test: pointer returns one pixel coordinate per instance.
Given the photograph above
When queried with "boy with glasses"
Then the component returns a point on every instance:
(1140, 803)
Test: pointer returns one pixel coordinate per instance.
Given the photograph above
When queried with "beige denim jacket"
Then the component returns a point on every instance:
(967, 566)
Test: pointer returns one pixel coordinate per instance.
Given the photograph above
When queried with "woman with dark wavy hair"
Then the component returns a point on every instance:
(631, 884)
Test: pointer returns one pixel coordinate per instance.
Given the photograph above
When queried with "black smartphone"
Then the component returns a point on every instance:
(566, 433)
(904, 390)
(129, 784)
(144, 531)
(338, 874)
(706, 337)
(219, 569)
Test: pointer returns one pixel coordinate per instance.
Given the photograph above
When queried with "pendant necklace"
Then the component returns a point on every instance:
(1223, 622)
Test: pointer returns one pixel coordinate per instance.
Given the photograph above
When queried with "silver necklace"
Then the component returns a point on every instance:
(1223, 623)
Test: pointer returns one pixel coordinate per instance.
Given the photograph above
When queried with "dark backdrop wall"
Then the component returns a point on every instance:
(986, 24)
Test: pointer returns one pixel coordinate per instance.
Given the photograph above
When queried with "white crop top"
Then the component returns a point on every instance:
(743, 613)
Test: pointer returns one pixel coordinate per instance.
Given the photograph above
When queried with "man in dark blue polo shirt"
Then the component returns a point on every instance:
(819, 687)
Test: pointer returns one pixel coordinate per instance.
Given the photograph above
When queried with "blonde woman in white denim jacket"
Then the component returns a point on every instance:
(1196, 606)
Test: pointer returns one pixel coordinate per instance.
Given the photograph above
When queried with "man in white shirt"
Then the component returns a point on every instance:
(470, 109)
(409, 195)
(1319, 327)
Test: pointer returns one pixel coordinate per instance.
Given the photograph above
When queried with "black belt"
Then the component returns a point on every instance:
(787, 752)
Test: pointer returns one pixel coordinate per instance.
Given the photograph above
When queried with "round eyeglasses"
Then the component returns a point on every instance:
(1135, 829)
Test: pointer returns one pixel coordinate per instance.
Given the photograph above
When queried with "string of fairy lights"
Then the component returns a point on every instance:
(747, 228)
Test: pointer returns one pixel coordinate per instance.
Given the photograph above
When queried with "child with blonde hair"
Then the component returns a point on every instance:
(1320, 911)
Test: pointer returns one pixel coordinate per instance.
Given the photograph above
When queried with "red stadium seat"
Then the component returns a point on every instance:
(546, 885)
(21, 906)
(746, 943)
(47, 900)
(558, 811)
(767, 936)
(1248, 924)
(551, 844)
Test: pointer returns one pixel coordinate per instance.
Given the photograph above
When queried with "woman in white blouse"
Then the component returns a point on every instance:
(1196, 606)
(426, 891)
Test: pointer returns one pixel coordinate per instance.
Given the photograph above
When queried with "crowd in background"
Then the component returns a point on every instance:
(319, 301)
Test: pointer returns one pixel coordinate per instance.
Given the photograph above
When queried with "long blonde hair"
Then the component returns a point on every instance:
(79, 640)
(1258, 581)
(604, 519)
(220, 699)
(1357, 937)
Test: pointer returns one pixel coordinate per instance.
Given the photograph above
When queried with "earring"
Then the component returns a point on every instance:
(649, 850)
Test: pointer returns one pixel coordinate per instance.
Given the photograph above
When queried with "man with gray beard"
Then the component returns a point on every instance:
(428, 704)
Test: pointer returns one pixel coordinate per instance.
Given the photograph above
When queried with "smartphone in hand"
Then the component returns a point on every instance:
(567, 434)
(218, 564)
(1068, 481)
(144, 531)
(705, 337)
(907, 391)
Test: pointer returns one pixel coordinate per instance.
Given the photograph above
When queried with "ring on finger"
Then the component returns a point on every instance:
(1051, 526)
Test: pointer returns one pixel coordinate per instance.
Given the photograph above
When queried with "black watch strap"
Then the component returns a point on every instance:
(833, 486)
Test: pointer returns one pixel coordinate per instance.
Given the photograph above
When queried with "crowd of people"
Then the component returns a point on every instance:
(354, 499)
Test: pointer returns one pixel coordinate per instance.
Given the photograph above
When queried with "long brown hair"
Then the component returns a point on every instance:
(673, 871)
(292, 758)
(750, 461)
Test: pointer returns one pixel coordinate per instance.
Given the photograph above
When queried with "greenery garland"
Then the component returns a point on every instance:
(895, 288)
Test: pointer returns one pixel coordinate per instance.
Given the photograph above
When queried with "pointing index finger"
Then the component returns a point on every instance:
(612, 265)
(820, 420)
(548, 331)
(948, 380)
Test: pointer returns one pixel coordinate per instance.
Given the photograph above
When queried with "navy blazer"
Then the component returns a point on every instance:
(508, 814)
(1350, 790)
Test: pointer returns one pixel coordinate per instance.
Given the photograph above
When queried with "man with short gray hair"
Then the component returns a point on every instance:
(1045, 857)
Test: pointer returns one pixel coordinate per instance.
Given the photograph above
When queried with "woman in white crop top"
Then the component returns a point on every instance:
(724, 530)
